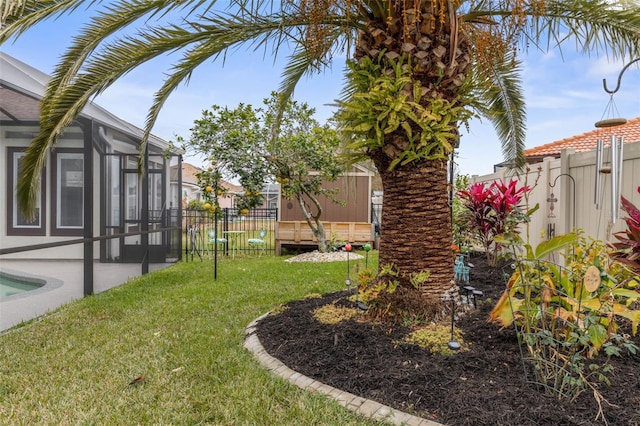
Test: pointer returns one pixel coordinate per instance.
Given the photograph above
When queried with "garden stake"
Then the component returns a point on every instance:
(367, 248)
(347, 248)
(453, 345)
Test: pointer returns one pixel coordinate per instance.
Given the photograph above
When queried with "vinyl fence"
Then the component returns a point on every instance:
(568, 195)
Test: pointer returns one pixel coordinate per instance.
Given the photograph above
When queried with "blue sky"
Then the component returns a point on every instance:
(564, 95)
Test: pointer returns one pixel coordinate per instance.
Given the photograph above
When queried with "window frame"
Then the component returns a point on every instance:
(55, 182)
(12, 202)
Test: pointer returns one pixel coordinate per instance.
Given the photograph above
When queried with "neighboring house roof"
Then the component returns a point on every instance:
(189, 172)
(586, 141)
(25, 79)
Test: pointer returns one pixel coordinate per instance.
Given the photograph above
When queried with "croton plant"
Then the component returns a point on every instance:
(628, 244)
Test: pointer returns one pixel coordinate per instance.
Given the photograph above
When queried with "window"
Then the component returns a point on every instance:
(68, 192)
(18, 223)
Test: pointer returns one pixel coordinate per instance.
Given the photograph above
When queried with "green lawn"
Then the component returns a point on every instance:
(182, 333)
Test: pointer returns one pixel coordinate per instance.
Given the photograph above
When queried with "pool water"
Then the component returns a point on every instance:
(11, 284)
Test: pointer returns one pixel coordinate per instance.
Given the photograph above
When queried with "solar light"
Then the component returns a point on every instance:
(367, 249)
(453, 344)
(347, 248)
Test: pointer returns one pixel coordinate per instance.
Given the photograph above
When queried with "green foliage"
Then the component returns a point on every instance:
(462, 235)
(260, 145)
(419, 278)
(370, 286)
(195, 205)
(335, 241)
(211, 188)
(254, 146)
(379, 103)
(122, 36)
(566, 316)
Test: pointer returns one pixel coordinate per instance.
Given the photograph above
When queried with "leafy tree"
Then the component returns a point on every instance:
(300, 157)
(419, 69)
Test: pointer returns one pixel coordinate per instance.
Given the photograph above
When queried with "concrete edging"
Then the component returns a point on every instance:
(366, 407)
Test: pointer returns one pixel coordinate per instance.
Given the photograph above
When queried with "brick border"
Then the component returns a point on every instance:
(366, 407)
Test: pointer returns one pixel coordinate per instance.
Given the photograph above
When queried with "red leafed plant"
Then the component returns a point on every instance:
(492, 211)
(628, 245)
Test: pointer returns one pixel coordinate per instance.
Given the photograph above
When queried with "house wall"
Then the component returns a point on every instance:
(75, 251)
(576, 207)
(66, 252)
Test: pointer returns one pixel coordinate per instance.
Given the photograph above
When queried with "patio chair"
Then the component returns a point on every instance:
(215, 240)
(258, 243)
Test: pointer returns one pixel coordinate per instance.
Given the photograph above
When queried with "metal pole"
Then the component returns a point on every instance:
(613, 149)
(596, 192)
(88, 206)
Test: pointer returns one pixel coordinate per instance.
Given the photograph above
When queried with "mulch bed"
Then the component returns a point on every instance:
(482, 386)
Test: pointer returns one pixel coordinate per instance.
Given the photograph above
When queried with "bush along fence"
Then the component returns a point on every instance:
(229, 232)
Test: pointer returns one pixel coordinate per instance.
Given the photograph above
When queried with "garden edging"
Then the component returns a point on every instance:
(363, 406)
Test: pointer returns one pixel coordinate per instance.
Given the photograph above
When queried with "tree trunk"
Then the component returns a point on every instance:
(416, 231)
(313, 220)
(320, 236)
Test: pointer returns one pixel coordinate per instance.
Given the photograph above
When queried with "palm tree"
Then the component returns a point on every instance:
(420, 68)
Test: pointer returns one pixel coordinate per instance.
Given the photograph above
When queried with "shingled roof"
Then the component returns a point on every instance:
(586, 141)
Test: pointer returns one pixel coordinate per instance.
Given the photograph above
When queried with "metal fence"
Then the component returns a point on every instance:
(229, 233)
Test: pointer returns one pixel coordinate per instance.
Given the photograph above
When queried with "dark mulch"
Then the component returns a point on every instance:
(482, 386)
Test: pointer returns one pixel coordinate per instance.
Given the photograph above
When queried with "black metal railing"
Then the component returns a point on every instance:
(229, 233)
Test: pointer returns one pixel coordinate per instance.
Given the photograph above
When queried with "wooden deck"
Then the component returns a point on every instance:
(298, 233)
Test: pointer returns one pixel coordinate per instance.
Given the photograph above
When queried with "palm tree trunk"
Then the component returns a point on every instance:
(416, 224)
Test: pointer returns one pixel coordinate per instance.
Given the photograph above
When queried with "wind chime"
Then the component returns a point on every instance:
(614, 165)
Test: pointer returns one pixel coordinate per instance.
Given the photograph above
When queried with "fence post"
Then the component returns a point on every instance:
(567, 207)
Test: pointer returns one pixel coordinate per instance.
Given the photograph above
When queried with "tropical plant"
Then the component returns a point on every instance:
(451, 54)
(628, 244)
(493, 210)
(566, 315)
(302, 157)
(611, 295)
(462, 235)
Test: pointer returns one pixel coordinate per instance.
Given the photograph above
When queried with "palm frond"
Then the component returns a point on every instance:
(61, 105)
(30, 12)
(502, 101)
(11, 9)
(610, 27)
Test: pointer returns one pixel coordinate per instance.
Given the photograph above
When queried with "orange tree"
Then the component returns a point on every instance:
(301, 157)
(418, 69)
